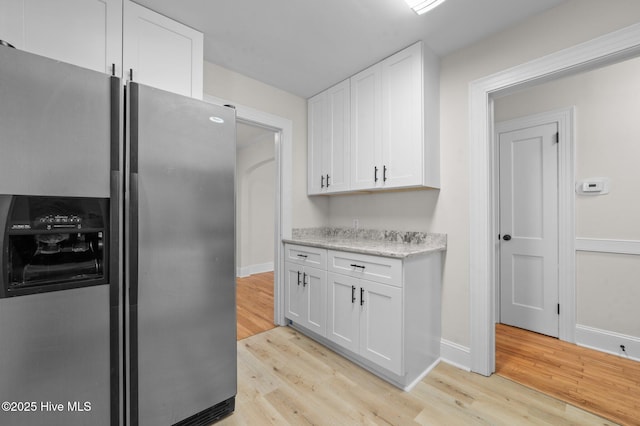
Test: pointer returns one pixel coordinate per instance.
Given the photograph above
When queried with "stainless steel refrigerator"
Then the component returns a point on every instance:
(180, 252)
(117, 303)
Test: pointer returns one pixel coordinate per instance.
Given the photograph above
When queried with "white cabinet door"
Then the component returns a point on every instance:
(343, 318)
(87, 33)
(366, 128)
(162, 53)
(306, 297)
(336, 156)
(314, 293)
(381, 325)
(293, 291)
(402, 135)
(328, 144)
(316, 110)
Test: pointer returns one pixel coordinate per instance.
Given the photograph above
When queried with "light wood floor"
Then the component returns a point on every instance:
(284, 378)
(604, 384)
(254, 304)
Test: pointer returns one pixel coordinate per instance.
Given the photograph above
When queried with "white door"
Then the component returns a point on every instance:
(529, 228)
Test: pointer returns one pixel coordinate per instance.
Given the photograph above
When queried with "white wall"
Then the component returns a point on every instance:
(607, 105)
(448, 212)
(255, 206)
(237, 88)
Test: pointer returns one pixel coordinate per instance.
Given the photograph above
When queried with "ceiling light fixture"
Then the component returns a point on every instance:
(423, 6)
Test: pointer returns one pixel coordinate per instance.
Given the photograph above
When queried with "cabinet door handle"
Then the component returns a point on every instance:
(361, 296)
(322, 181)
(298, 277)
(375, 173)
(327, 181)
(384, 173)
(353, 294)
(113, 70)
(130, 74)
(353, 265)
(304, 279)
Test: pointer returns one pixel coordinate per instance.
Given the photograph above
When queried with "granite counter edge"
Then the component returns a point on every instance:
(409, 252)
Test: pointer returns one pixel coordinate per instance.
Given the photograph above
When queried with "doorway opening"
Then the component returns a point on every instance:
(611, 48)
(283, 128)
(255, 228)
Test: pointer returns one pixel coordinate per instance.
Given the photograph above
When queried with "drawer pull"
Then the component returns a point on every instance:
(353, 265)
(304, 256)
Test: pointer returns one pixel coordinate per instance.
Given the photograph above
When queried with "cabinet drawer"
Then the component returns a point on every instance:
(375, 268)
(304, 255)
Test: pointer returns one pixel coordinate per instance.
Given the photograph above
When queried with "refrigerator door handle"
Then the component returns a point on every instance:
(133, 239)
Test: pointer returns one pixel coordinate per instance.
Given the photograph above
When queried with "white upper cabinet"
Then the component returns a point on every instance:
(328, 143)
(394, 127)
(95, 34)
(162, 53)
(87, 33)
(395, 122)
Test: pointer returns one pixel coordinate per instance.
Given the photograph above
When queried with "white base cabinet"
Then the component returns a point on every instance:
(306, 296)
(305, 287)
(382, 313)
(366, 317)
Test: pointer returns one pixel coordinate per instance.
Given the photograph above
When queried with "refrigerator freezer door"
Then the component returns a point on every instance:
(54, 354)
(182, 313)
(54, 127)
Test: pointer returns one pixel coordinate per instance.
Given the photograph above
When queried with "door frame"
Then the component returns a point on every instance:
(283, 128)
(564, 117)
(604, 50)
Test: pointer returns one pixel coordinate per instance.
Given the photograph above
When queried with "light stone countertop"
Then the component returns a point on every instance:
(396, 244)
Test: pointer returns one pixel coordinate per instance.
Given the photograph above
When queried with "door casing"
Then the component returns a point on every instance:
(600, 51)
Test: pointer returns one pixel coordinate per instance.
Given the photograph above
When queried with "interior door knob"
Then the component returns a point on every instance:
(506, 237)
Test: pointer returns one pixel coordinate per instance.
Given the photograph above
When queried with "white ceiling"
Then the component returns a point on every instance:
(305, 46)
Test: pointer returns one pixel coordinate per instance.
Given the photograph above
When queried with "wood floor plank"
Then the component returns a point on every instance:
(604, 384)
(254, 304)
(284, 378)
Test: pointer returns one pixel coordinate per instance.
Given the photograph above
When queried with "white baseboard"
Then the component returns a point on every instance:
(608, 341)
(455, 354)
(245, 271)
